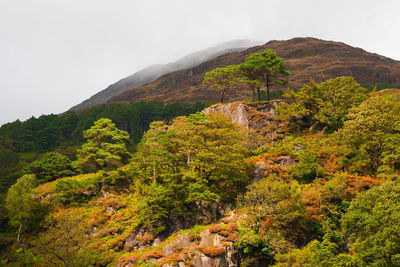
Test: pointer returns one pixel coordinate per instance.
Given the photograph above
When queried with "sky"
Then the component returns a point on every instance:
(56, 53)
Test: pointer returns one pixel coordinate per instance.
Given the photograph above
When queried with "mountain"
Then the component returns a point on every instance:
(153, 72)
(305, 57)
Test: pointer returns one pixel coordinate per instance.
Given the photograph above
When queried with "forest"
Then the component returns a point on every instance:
(22, 143)
(318, 185)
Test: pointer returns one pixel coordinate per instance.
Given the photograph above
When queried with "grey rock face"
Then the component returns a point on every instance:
(259, 117)
(237, 113)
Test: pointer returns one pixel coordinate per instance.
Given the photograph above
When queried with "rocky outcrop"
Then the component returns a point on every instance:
(259, 117)
(237, 112)
(205, 213)
(210, 247)
(269, 164)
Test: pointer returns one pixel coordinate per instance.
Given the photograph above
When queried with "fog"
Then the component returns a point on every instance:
(56, 53)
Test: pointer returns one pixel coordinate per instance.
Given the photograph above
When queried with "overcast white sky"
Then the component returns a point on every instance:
(56, 53)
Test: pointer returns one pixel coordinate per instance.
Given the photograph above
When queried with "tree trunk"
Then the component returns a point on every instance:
(258, 94)
(154, 172)
(19, 232)
(268, 88)
(222, 95)
(253, 94)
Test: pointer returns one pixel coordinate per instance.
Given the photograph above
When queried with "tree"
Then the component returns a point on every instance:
(371, 225)
(226, 78)
(322, 105)
(275, 218)
(273, 204)
(9, 170)
(46, 132)
(182, 168)
(68, 124)
(372, 128)
(212, 149)
(66, 243)
(8, 159)
(265, 67)
(315, 253)
(390, 157)
(307, 169)
(23, 208)
(51, 166)
(105, 148)
(152, 150)
(206, 151)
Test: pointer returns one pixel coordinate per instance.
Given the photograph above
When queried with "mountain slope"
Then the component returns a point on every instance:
(151, 73)
(305, 57)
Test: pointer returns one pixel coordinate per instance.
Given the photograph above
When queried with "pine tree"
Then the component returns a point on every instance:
(265, 67)
(105, 148)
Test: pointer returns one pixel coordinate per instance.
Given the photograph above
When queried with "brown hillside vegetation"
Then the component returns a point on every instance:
(305, 57)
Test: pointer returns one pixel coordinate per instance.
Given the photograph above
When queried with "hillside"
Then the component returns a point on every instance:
(151, 73)
(23, 142)
(305, 57)
(309, 180)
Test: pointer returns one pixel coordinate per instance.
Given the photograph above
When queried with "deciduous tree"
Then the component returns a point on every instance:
(213, 150)
(23, 208)
(371, 225)
(66, 243)
(322, 105)
(372, 127)
(194, 161)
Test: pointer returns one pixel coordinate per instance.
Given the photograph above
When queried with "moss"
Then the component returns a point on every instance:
(214, 229)
(227, 220)
(234, 105)
(152, 255)
(194, 237)
(145, 240)
(172, 259)
(128, 260)
(214, 251)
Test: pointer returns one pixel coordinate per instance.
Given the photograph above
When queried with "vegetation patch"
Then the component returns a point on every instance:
(214, 251)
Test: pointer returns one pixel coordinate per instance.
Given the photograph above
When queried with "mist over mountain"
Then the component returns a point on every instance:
(153, 72)
(305, 58)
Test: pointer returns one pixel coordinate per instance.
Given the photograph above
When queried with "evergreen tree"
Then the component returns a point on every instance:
(51, 166)
(226, 78)
(105, 148)
(152, 150)
(265, 67)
